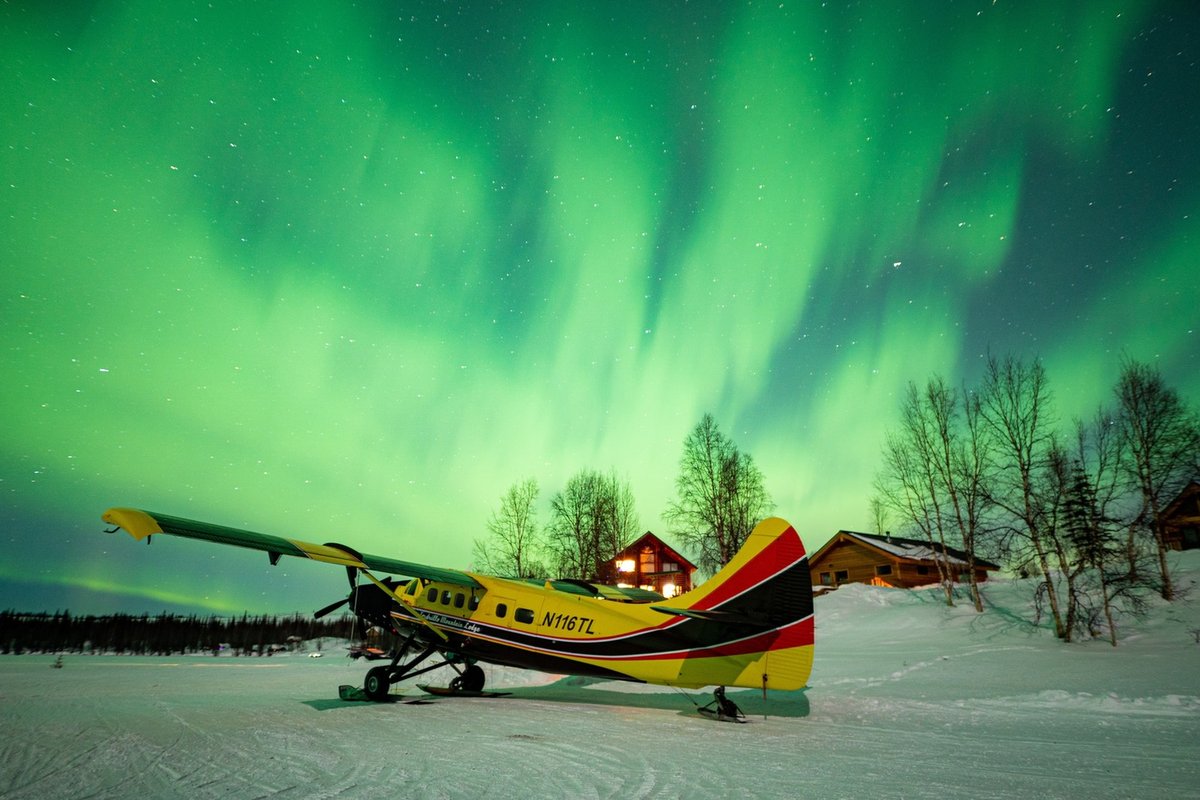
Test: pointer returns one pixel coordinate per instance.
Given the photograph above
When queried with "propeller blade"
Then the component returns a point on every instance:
(331, 607)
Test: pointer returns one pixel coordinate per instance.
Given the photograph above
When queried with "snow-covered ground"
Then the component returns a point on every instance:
(907, 699)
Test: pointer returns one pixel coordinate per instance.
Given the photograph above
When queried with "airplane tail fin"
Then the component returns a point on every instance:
(764, 594)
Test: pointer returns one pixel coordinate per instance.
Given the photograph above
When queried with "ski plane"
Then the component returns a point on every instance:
(750, 625)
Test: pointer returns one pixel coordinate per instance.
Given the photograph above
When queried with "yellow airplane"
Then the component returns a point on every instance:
(750, 625)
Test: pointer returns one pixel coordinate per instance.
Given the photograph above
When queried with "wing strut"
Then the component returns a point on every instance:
(407, 609)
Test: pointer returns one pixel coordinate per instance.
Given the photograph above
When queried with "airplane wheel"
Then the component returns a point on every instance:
(471, 680)
(377, 684)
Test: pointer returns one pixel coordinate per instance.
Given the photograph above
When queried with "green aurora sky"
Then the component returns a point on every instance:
(347, 271)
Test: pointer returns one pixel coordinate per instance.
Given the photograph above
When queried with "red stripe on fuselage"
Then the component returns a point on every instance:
(796, 634)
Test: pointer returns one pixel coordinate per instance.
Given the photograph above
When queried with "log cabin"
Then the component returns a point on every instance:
(852, 557)
(1181, 519)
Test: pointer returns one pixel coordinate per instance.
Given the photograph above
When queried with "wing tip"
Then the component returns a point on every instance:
(135, 522)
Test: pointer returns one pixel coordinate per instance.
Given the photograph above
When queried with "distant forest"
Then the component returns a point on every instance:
(166, 634)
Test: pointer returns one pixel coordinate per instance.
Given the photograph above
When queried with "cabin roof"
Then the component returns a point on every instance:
(1187, 493)
(906, 549)
(649, 539)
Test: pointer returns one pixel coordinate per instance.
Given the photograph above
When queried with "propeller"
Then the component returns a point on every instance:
(352, 576)
(331, 608)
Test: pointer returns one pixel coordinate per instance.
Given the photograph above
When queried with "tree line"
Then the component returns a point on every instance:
(988, 469)
(163, 634)
(720, 497)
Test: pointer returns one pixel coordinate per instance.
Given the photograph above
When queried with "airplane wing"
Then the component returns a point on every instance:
(141, 524)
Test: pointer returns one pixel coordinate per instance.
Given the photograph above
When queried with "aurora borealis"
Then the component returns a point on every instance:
(346, 272)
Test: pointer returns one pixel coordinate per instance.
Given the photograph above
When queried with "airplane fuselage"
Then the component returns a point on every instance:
(563, 627)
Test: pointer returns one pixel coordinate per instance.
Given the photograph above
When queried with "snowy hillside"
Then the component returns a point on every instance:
(908, 699)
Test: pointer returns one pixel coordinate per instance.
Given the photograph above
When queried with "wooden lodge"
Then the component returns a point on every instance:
(1181, 519)
(652, 564)
(852, 557)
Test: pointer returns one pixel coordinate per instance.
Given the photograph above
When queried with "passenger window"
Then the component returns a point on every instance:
(459, 599)
(432, 594)
(473, 603)
(446, 597)
(524, 615)
(501, 610)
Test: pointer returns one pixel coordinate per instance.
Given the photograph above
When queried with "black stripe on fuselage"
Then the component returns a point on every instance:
(780, 600)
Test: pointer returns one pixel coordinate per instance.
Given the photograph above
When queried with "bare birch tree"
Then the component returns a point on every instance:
(515, 546)
(720, 496)
(592, 519)
(908, 482)
(1160, 439)
(933, 474)
(1015, 407)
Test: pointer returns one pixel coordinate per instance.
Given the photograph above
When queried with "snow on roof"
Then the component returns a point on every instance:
(908, 548)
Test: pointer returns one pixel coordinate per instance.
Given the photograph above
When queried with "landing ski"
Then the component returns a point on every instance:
(445, 691)
(354, 694)
(713, 713)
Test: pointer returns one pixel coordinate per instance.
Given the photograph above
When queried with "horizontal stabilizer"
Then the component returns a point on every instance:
(726, 617)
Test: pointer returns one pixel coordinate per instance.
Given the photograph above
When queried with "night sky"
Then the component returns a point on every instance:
(348, 271)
